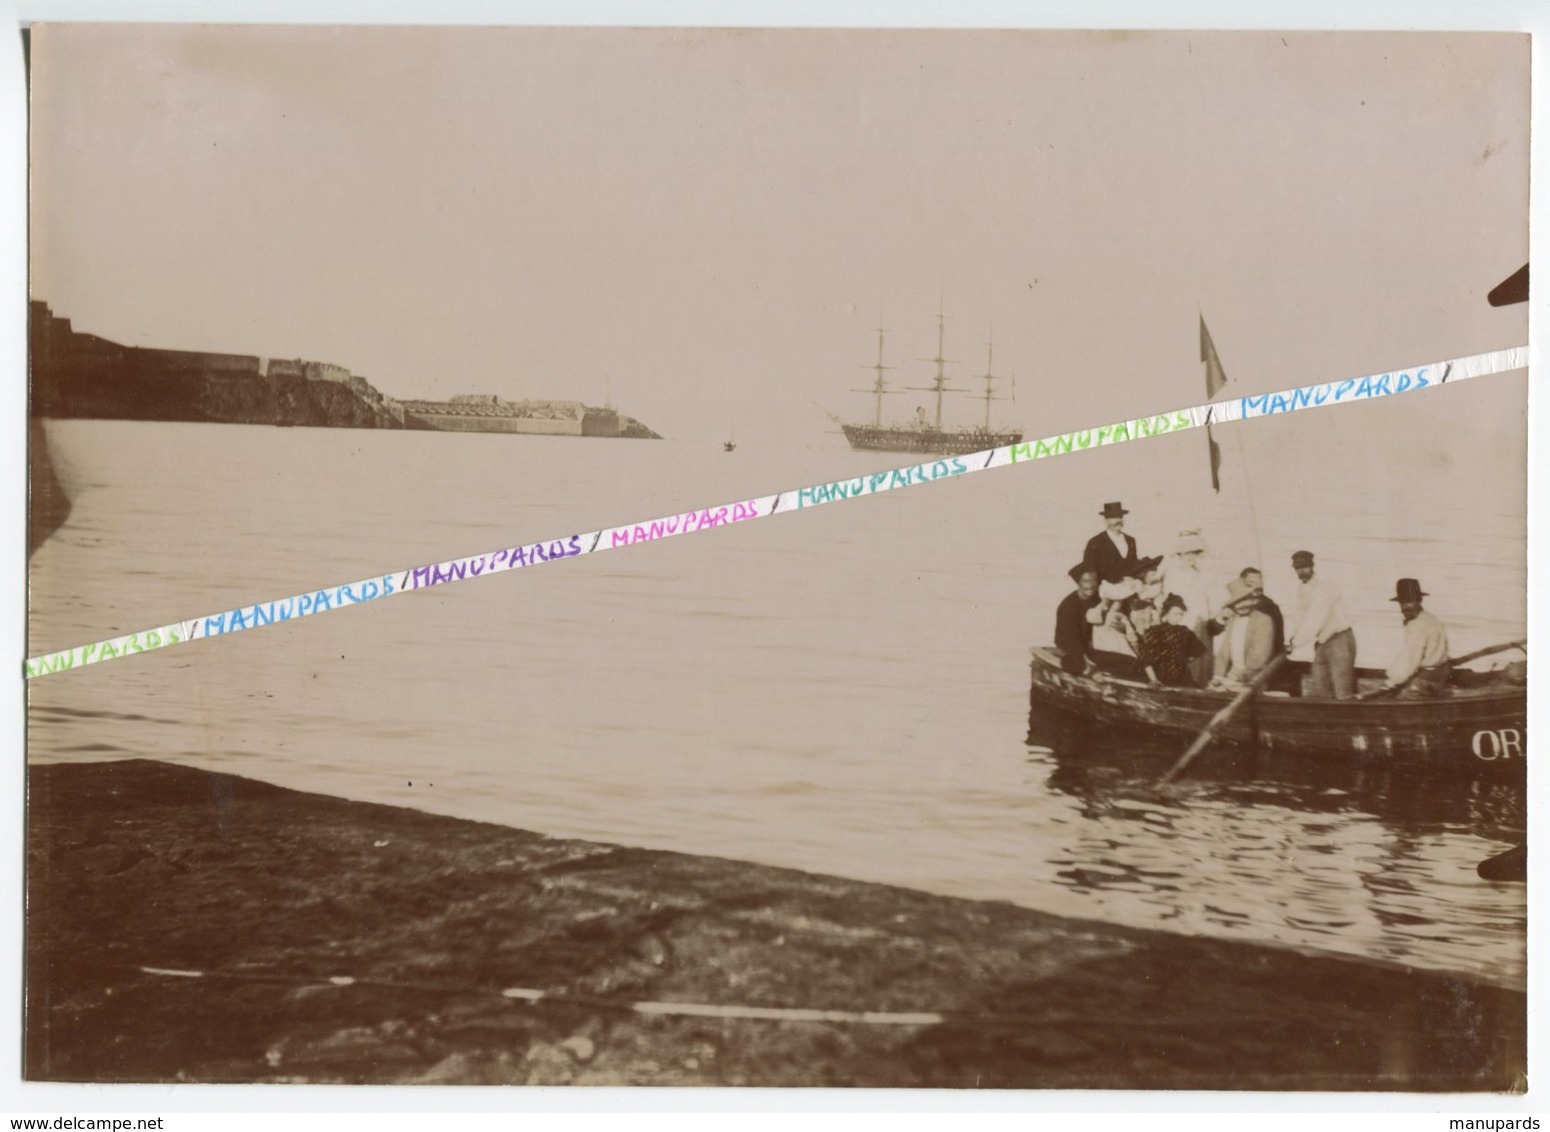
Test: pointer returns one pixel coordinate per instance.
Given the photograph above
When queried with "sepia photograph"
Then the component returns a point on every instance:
(1128, 691)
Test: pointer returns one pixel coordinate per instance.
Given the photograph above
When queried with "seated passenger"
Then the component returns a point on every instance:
(1255, 580)
(1073, 629)
(1141, 608)
(1115, 642)
(1168, 649)
(1129, 608)
(1249, 636)
(1184, 574)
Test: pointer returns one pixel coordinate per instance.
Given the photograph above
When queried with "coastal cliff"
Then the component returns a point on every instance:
(192, 396)
(82, 375)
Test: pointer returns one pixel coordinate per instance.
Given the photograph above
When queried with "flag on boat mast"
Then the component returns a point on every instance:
(1215, 380)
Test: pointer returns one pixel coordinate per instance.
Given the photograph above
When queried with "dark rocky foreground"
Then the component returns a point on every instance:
(274, 893)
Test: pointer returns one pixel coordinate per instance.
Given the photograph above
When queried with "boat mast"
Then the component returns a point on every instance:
(940, 386)
(879, 386)
(989, 378)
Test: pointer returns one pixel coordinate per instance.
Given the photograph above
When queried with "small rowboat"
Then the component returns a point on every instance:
(1483, 721)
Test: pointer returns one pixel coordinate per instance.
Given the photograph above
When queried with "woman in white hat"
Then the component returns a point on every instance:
(1182, 575)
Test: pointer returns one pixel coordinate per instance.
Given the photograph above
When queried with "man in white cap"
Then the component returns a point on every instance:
(1321, 621)
(1420, 670)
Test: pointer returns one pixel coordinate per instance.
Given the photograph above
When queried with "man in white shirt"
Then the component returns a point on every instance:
(1321, 621)
(1420, 669)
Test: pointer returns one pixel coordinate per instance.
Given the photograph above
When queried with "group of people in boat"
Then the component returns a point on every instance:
(1160, 619)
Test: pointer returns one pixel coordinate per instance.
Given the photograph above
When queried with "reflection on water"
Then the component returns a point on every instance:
(1375, 859)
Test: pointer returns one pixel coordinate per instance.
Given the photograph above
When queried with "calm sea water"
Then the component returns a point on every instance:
(843, 690)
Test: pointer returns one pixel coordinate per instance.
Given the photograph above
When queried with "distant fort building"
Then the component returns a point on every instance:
(485, 412)
(393, 407)
(281, 367)
(326, 371)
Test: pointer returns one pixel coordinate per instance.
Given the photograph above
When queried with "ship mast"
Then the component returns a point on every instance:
(879, 386)
(989, 378)
(939, 386)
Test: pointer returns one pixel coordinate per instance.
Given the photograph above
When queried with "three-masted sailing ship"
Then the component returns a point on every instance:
(923, 435)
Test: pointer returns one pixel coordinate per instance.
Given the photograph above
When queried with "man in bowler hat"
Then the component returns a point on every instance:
(1420, 669)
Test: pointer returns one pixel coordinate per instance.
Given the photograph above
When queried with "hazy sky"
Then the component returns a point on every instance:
(715, 221)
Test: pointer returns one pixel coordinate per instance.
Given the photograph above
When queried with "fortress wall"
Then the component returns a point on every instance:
(600, 422)
(531, 426)
(148, 362)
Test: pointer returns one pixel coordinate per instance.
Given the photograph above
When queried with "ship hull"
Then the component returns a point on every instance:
(928, 441)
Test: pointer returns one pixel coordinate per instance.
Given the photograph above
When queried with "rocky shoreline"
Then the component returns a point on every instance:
(76, 375)
(185, 926)
(47, 504)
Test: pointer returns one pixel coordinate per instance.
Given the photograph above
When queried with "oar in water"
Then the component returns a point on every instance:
(1478, 653)
(1453, 662)
(1220, 719)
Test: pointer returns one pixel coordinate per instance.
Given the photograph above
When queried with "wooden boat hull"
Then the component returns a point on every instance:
(1482, 723)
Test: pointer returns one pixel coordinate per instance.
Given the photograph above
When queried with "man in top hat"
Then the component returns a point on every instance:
(1249, 637)
(1321, 621)
(1073, 628)
(1420, 669)
(1112, 553)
